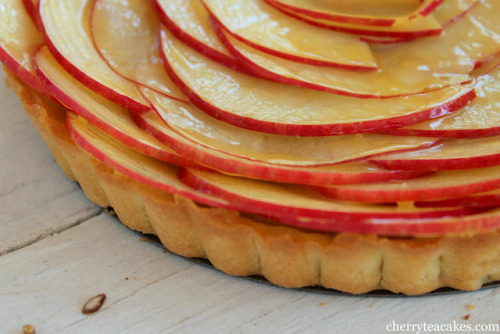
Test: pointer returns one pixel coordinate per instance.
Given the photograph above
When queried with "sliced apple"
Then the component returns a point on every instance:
(404, 227)
(263, 27)
(189, 21)
(197, 126)
(66, 26)
(279, 200)
(481, 117)
(345, 173)
(487, 199)
(138, 167)
(100, 112)
(266, 106)
(19, 40)
(425, 27)
(117, 25)
(446, 155)
(391, 80)
(440, 185)
(367, 14)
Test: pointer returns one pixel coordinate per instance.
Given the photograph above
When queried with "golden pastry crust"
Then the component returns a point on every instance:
(241, 245)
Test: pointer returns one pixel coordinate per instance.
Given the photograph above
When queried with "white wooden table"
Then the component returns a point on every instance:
(57, 250)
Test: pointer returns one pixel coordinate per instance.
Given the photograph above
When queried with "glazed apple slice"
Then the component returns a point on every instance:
(199, 127)
(66, 26)
(276, 200)
(189, 21)
(440, 185)
(389, 81)
(431, 25)
(141, 168)
(345, 173)
(265, 28)
(446, 155)
(404, 227)
(481, 117)
(266, 106)
(368, 13)
(100, 112)
(488, 199)
(137, 24)
(424, 27)
(19, 39)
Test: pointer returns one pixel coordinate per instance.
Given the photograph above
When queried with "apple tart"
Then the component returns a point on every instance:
(353, 145)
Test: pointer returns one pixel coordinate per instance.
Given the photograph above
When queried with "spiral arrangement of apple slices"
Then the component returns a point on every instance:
(329, 116)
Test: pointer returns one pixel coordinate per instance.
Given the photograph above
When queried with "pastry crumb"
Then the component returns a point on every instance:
(470, 307)
(29, 329)
(322, 304)
(466, 317)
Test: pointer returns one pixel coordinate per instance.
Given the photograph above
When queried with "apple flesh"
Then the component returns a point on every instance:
(66, 27)
(437, 186)
(265, 28)
(446, 155)
(477, 119)
(266, 106)
(102, 113)
(389, 81)
(137, 24)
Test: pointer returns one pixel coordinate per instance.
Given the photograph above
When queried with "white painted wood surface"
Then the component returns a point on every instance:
(57, 250)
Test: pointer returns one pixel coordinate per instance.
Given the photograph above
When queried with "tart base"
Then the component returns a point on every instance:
(242, 245)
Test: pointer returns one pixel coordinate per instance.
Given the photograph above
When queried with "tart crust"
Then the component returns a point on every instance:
(242, 245)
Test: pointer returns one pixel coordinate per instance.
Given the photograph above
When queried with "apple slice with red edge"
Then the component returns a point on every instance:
(102, 113)
(266, 106)
(66, 27)
(446, 155)
(256, 23)
(141, 168)
(480, 117)
(279, 200)
(389, 81)
(189, 21)
(19, 39)
(480, 200)
(425, 27)
(199, 127)
(437, 186)
(345, 173)
(137, 24)
(489, 220)
(368, 14)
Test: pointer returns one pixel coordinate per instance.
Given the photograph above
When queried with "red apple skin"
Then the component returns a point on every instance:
(360, 31)
(377, 21)
(400, 227)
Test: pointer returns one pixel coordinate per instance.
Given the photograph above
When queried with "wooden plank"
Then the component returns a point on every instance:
(36, 199)
(150, 291)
